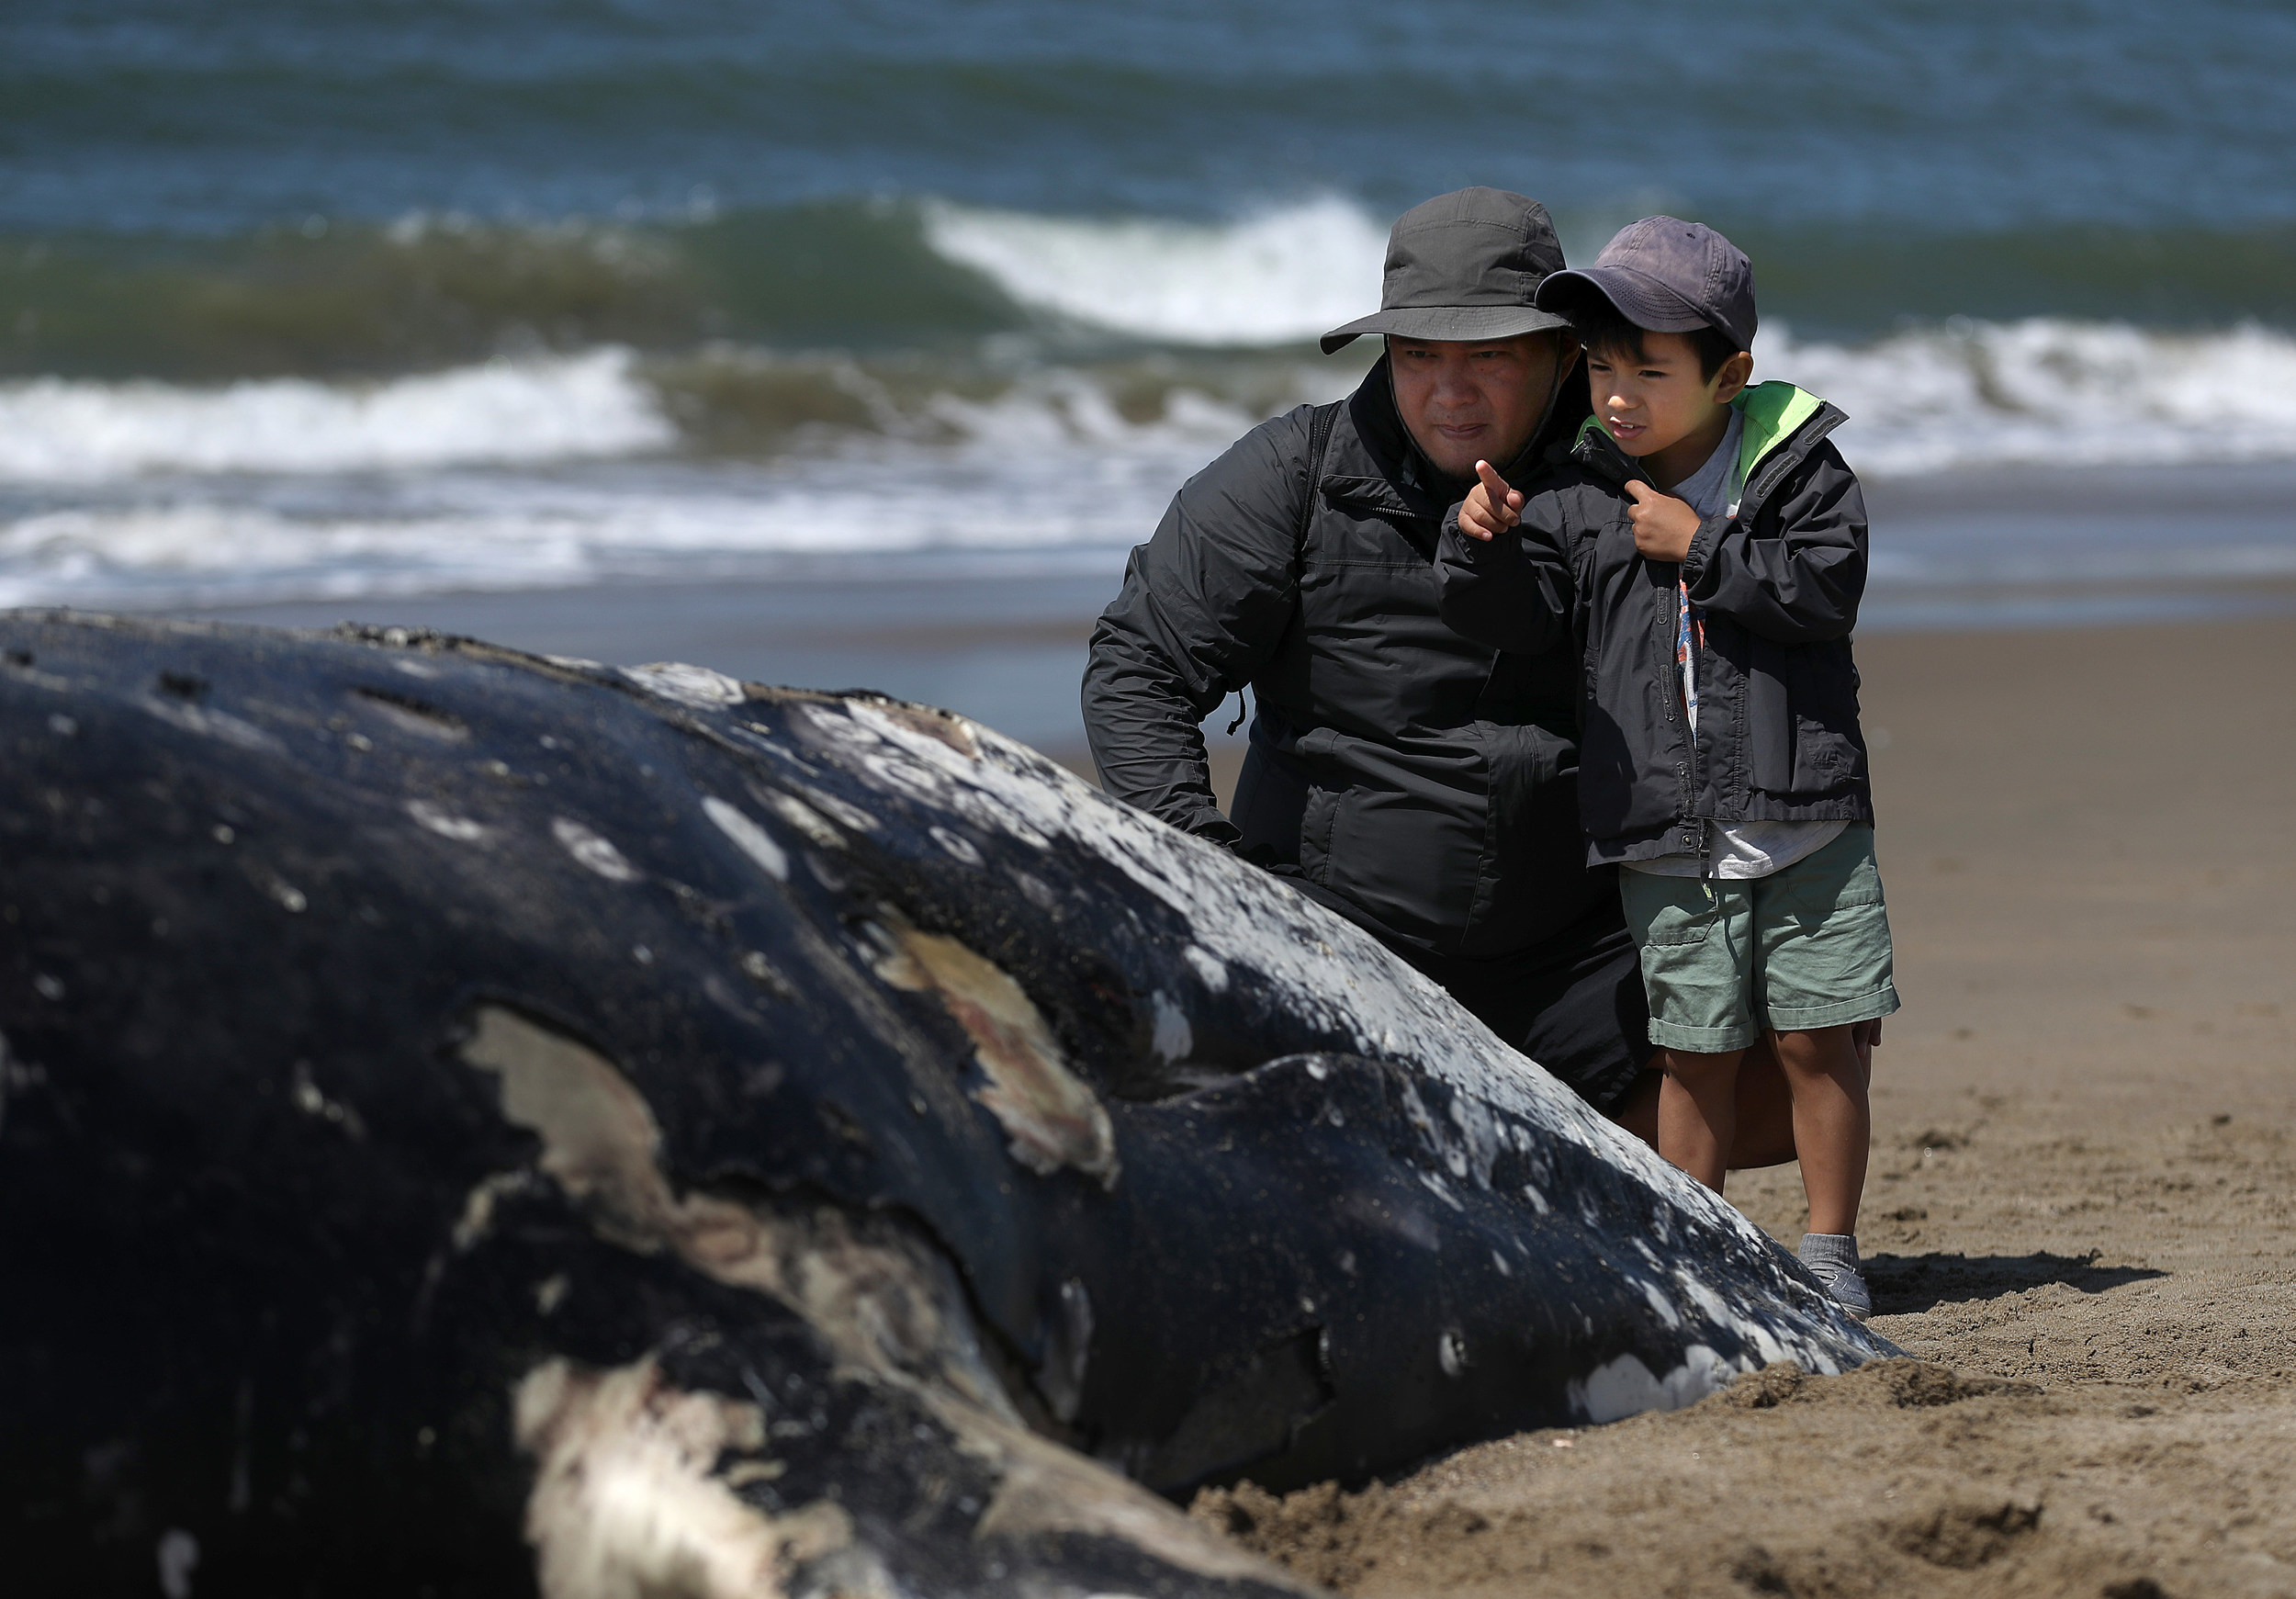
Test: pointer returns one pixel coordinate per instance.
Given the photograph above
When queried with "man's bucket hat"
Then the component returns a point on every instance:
(1464, 266)
(1670, 276)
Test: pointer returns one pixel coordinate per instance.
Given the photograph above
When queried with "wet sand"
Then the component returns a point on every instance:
(2080, 1207)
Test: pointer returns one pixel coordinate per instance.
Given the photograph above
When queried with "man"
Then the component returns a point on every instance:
(1418, 784)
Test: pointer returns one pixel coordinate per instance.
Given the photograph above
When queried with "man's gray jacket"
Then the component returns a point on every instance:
(1419, 782)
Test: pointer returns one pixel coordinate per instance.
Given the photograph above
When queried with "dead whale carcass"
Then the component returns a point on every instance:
(471, 1119)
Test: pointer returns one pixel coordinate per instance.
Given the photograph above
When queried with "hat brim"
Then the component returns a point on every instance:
(1641, 298)
(1448, 323)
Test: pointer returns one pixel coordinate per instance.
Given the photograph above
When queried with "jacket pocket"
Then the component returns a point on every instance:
(1827, 753)
(1801, 722)
(1672, 920)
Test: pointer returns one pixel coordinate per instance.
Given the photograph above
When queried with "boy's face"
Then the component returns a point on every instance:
(1658, 401)
(1466, 401)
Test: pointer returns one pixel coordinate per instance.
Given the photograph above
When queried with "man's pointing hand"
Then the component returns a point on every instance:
(1491, 507)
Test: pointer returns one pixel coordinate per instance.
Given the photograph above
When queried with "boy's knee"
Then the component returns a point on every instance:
(1688, 1066)
(1819, 1050)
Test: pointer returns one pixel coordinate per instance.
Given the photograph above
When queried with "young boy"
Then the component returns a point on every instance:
(1708, 563)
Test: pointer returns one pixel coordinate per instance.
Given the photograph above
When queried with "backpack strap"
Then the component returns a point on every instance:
(1320, 424)
(1319, 439)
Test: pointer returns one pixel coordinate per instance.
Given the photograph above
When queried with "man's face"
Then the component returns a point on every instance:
(1467, 401)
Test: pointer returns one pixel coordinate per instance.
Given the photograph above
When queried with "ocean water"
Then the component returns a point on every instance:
(333, 302)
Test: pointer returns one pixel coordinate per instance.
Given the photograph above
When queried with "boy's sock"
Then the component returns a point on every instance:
(1832, 1258)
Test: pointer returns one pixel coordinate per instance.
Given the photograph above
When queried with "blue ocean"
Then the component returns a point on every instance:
(364, 306)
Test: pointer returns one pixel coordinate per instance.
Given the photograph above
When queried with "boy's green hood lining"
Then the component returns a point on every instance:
(1774, 412)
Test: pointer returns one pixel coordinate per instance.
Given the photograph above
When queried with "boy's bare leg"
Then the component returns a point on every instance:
(1832, 1124)
(1698, 1112)
(1765, 1111)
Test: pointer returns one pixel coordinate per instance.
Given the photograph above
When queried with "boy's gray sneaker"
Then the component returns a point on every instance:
(1832, 1259)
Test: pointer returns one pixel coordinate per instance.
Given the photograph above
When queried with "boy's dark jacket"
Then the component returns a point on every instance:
(1779, 583)
(1415, 781)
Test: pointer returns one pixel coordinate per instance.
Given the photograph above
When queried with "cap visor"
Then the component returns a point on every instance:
(1641, 298)
(1448, 323)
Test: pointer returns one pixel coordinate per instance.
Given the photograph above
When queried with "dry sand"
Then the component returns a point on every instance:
(2080, 1218)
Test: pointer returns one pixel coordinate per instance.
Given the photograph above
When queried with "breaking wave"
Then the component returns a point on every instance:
(564, 470)
(1932, 399)
(2047, 391)
(1282, 276)
(59, 429)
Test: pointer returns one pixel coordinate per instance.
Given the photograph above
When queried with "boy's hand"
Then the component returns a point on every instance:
(1491, 507)
(1663, 525)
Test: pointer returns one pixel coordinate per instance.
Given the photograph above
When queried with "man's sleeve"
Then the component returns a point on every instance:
(1800, 581)
(1204, 604)
(1513, 591)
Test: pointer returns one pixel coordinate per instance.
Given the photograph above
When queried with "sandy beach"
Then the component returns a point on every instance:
(2078, 1217)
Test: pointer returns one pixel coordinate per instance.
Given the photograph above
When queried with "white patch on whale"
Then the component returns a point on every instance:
(956, 844)
(1174, 1040)
(806, 819)
(688, 685)
(178, 1557)
(629, 1498)
(754, 842)
(1051, 1116)
(1662, 1305)
(209, 723)
(852, 815)
(1208, 967)
(592, 851)
(1626, 1386)
(444, 823)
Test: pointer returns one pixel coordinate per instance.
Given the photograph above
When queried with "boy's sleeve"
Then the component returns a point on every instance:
(1799, 581)
(1513, 593)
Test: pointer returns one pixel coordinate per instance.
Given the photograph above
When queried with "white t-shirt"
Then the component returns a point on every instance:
(1739, 850)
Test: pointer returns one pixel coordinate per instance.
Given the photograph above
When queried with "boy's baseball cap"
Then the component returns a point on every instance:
(1670, 276)
(1464, 266)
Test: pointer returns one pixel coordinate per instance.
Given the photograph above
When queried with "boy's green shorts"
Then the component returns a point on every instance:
(1804, 948)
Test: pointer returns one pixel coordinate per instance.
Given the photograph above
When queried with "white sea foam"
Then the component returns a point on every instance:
(1051, 466)
(2049, 391)
(585, 405)
(517, 475)
(1280, 277)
